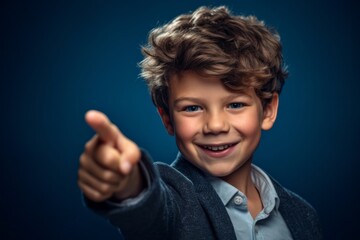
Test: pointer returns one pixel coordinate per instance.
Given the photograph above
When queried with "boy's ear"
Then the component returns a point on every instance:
(270, 112)
(166, 120)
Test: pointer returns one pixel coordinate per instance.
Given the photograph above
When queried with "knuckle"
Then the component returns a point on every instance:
(108, 176)
(91, 144)
(105, 189)
(90, 193)
(83, 187)
(96, 196)
(82, 159)
(81, 175)
(107, 157)
(88, 146)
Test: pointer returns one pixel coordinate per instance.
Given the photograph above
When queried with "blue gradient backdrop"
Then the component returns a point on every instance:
(62, 58)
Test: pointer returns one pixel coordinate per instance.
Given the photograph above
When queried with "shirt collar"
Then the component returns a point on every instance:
(269, 197)
(267, 191)
(225, 190)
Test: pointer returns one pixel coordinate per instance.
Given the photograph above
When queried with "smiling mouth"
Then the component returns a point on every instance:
(217, 148)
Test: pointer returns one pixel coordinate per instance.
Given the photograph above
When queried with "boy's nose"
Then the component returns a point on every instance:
(216, 123)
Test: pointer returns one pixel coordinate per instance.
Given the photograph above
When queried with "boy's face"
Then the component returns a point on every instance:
(216, 129)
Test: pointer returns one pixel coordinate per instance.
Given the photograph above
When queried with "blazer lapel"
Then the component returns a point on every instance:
(289, 212)
(212, 204)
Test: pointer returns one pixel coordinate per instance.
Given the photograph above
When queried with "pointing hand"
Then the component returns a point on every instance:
(109, 164)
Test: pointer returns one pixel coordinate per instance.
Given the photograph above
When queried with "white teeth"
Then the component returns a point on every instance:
(217, 148)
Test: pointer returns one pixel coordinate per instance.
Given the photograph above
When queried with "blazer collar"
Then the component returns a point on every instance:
(208, 198)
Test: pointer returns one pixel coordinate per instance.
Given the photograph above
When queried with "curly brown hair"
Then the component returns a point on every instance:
(240, 50)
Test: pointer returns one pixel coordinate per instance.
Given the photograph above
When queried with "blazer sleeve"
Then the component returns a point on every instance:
(153, 217)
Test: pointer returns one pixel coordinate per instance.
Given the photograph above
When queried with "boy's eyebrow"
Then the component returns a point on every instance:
(238, 94)
(228, 98)
(193, 99)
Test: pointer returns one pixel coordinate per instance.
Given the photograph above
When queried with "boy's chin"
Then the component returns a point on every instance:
(219, 171)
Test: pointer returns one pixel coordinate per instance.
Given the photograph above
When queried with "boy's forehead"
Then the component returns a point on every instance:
(190, 80)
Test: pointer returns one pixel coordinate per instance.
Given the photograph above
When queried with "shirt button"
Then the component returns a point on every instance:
(238, 200)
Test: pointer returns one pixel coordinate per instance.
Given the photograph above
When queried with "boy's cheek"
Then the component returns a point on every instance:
(185, 129)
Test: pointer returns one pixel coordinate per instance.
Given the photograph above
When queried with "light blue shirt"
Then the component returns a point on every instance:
(268, 224)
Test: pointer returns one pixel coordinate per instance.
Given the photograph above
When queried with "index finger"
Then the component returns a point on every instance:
(101, 124)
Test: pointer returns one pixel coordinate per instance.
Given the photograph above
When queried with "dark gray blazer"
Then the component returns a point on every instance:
(181, 204)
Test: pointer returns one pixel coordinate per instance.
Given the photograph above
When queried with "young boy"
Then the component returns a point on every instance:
(215, 79)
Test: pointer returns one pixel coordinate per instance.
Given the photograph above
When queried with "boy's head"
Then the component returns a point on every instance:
(215, 79)
(239, 50)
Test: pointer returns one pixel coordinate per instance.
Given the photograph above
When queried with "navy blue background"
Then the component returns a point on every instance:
(60, 59)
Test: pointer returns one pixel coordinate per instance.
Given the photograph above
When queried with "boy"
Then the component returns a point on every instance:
(215, 79)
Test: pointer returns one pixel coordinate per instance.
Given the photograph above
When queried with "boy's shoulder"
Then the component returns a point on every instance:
(288, 197)
(299, 215)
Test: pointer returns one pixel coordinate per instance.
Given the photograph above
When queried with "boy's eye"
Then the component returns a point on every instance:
(236, 105)
(192, 108)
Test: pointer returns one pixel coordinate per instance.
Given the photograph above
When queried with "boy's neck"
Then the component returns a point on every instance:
(241, 179)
